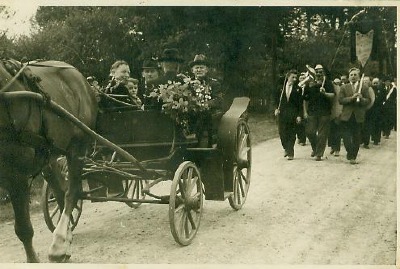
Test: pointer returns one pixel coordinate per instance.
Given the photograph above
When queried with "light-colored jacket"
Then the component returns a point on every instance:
(350, 105)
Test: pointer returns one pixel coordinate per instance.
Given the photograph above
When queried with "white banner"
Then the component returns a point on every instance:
(364, 46)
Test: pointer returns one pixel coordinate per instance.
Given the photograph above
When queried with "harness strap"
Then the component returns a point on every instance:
(40, 142)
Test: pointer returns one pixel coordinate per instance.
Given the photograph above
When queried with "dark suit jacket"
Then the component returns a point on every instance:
(292, 108)
(350, 105)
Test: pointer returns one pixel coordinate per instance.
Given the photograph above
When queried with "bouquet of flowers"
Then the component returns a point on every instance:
(180, 100)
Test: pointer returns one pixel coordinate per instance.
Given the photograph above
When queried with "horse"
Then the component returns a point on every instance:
(33, 135)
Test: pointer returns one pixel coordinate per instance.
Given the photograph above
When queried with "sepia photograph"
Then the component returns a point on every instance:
(253, 134)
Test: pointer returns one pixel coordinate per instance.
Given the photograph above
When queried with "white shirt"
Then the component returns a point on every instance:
(288, 90)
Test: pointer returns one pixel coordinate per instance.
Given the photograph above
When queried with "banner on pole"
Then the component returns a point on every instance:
(364, 46)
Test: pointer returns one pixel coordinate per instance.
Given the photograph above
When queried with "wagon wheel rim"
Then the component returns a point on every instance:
(51, 209)
(186, 203)
(241, 167)
(133, 190)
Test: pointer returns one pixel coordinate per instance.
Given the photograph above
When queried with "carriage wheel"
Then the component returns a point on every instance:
(185, 203)
(50, 207)
(241, 166)
(133, 190)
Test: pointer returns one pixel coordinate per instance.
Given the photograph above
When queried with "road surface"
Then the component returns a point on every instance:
(297, 212)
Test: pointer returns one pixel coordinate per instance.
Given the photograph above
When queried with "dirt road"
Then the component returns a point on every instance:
(297, 212)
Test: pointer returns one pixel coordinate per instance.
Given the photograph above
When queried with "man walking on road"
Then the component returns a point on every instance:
(288, 112)
(317, 111)
(355, 99)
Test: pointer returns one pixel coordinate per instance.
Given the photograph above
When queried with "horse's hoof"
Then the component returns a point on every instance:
(59, 259)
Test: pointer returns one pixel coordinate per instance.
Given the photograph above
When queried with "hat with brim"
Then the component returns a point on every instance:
(149, 64)
(318, 67)
(170, 55)
(199, 59)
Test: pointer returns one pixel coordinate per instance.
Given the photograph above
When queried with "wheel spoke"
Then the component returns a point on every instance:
(54, 211)
(237, 190)
(192, 223)
(191, 184)
(179, 208)
(51, 200)
(136, 189)
(243, 176)
(182, 187)
(140, 185)
(182, 223)
(186, 226)
(240, 183)
(238, 196)
(59, 217)
(187, 182)
(243, 141)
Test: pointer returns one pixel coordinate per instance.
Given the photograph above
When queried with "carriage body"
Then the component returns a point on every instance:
(164, 153)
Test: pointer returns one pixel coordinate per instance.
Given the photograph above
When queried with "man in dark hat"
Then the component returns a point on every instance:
(206, 123)
(199, 68)
(150, 73)
(170, 62)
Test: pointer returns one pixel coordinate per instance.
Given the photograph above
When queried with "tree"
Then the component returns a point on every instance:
(250, 47)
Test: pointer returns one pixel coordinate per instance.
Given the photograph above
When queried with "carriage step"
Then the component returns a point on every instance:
(227, 194)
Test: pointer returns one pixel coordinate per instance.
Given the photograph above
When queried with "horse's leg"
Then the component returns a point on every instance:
(19, 194)
(62, 236)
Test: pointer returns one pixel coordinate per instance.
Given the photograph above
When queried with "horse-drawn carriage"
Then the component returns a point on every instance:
(47, 110)
(163, 153)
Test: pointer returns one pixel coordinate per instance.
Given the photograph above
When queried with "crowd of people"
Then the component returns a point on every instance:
(354, 108)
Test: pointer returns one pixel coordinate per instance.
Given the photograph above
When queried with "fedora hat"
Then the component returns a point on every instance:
(149, 64)
(170, 55)
(199, 59)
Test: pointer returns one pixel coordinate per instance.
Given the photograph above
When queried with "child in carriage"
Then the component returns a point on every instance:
(133, 87)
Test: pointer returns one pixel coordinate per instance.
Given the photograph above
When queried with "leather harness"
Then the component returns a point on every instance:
(42, 145)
